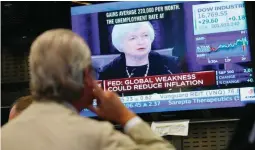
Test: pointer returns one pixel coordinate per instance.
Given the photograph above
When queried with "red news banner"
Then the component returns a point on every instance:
(196, 79)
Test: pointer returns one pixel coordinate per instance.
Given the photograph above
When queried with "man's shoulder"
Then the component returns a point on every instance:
(84, 121)
(72, 125)
(72, 131)
(59, 119)
(88, 125)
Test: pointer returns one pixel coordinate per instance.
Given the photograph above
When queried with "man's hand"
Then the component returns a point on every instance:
(110, 107)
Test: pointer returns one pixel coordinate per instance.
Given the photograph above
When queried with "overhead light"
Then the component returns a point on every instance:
(8, 5)
(80, 2)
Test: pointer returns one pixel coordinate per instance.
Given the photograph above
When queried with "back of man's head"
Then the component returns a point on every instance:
(20, 105)
(57, 62)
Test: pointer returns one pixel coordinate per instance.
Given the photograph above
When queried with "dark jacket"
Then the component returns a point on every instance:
(159, 65)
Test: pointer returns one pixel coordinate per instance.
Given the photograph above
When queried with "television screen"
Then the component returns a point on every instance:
(169, 56)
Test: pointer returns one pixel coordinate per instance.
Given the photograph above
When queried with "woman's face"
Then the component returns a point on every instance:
(137, 43)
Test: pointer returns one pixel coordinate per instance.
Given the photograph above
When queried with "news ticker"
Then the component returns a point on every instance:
(232, 96)
(182, 95)
(242, 94)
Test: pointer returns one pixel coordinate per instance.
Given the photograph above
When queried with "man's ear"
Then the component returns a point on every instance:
(88, 79)
(13, 113)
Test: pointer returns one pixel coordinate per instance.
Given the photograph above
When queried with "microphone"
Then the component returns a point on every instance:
(168, 70)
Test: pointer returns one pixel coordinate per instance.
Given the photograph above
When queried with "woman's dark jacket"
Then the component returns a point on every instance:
(159, 65)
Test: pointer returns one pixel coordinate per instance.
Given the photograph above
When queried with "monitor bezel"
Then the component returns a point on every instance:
(230, 112)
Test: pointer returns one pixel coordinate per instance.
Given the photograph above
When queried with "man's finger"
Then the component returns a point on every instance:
(93, 109)
(98, 91)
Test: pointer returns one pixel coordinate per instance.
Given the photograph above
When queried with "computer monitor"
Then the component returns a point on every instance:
(169, 56)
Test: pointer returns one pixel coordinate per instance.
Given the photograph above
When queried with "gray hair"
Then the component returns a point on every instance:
(119, 31)
(57, 60)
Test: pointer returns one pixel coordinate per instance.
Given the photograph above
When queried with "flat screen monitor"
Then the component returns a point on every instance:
(169, 56)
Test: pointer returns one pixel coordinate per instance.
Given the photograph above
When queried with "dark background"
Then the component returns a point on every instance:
(23, 21)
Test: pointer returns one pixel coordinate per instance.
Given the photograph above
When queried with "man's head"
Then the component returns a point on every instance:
(20, 105)
(60, 68)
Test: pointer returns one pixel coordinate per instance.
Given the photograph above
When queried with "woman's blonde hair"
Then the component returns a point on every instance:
(57, 60)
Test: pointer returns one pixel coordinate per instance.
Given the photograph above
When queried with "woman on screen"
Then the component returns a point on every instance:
(133, 41)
